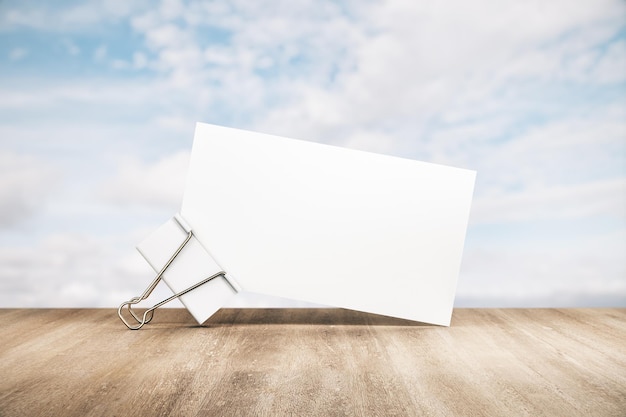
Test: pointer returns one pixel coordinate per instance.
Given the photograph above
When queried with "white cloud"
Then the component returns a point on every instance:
(596, 199)
(73, 270)
(119, 64)
(26, 183)
(424, 62)
(611, 65)
(140, 60)
(130, 94)
(17, 54)
(568, 152)
(180, 124)
(80, 17)
(498, 275)
(137, 183)
(71, 47)
(100, 53)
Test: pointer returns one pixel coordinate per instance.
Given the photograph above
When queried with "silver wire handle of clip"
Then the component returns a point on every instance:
(149, 313)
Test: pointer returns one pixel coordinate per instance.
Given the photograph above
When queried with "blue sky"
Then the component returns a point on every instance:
(98, 101)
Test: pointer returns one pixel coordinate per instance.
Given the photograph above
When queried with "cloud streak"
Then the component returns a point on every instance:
(26, 183)
(137, 183)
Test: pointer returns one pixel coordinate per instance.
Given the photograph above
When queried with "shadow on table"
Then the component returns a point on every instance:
(325, 316)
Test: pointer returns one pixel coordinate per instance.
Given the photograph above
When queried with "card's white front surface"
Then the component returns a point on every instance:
(329, 225)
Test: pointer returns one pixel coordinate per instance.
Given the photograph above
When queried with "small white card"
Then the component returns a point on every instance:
(322, 224)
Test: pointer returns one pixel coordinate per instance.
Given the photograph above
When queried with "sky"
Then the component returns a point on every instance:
(99, 99)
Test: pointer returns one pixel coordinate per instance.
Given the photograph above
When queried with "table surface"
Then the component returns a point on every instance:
(319, 362)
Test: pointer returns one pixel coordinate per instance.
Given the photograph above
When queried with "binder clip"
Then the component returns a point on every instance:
(186, 269)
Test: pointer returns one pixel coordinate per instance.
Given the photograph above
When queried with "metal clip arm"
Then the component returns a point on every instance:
(149, 313)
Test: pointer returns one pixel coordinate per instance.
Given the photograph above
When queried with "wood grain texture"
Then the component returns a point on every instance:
(313, 362)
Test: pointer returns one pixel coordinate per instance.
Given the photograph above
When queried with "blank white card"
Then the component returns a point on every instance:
(325, 224)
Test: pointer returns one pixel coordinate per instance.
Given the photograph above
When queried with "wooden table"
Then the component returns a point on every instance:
(321, 362)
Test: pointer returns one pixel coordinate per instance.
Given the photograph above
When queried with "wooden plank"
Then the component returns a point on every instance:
(318, 362)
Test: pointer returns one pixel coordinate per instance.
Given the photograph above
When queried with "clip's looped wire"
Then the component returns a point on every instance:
(149, 313)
